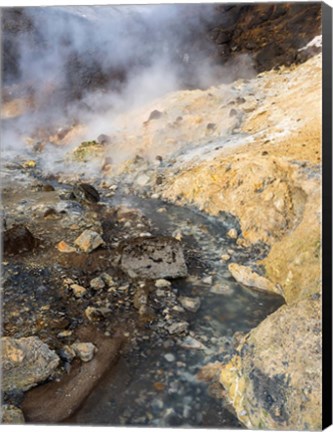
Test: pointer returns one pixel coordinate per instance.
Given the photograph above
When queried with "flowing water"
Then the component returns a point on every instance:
(155, 382)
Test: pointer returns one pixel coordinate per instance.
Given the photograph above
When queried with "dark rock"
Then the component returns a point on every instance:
(154, 115)
(104, 139)
(18, 239)
(85, 192)
(211, 126)
(232, 112)
(153, 258)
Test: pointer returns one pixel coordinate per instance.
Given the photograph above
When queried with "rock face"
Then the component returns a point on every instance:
(274, 380)
(153, 258)
(26, 362)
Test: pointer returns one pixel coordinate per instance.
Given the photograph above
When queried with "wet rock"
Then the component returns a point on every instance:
(222, 289)
(178, 327)
(274, 381)
(247, 277)
(10, 414)
(89, 240)
(65, 247)
(84, 192)
(208, 280)
(191, 304)
(162, 283)
(153, 258)
(192, 343)
(170, 357)
(97, 283)
(18, 239)
(84, 350)
(71, 208)
(78, 290)
(232, 233)
(26, 362)
(225, 257)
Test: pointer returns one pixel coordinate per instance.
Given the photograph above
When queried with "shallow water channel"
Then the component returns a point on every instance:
(155, 381)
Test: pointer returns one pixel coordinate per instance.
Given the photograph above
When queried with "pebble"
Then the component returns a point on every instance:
(191, 304)
(232, 233)
(178, 327)
(97, 283)
(145, 234)
(169, 357)
(225, 257)
(84, 350)
(208, 280)
(162, 283)
(78, 290)
(65, 333)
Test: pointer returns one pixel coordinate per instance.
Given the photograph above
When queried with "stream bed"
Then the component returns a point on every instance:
(155, 383)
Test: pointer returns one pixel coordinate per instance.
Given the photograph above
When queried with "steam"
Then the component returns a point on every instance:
(88, 64)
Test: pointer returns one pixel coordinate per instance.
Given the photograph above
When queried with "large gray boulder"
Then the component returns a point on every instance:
(153, 258)
(26, 362)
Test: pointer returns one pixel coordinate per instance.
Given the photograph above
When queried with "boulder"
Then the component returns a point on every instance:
(18, 239)
(26, 362)
(247, 277)
(153, 258)
(274, 381)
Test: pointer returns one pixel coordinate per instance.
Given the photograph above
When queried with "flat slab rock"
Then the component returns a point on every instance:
(153, 258)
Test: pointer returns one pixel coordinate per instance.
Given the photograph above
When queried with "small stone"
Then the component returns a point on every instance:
(192, 343)
(145, 234)
(65, 247)
(90, 312)
(108, 279)
(170, 357)
(78, 290)
(162, 283)
(67, 353)
(65, 333)
(232, 233)
(178, 327)
(159, 386)
(97, 283)
(84, 350)
(225, 257)
(221, 289)
(208, 280)
(89, 240)
(191, 304)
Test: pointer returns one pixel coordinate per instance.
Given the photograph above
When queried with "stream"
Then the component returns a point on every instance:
(155, 382)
